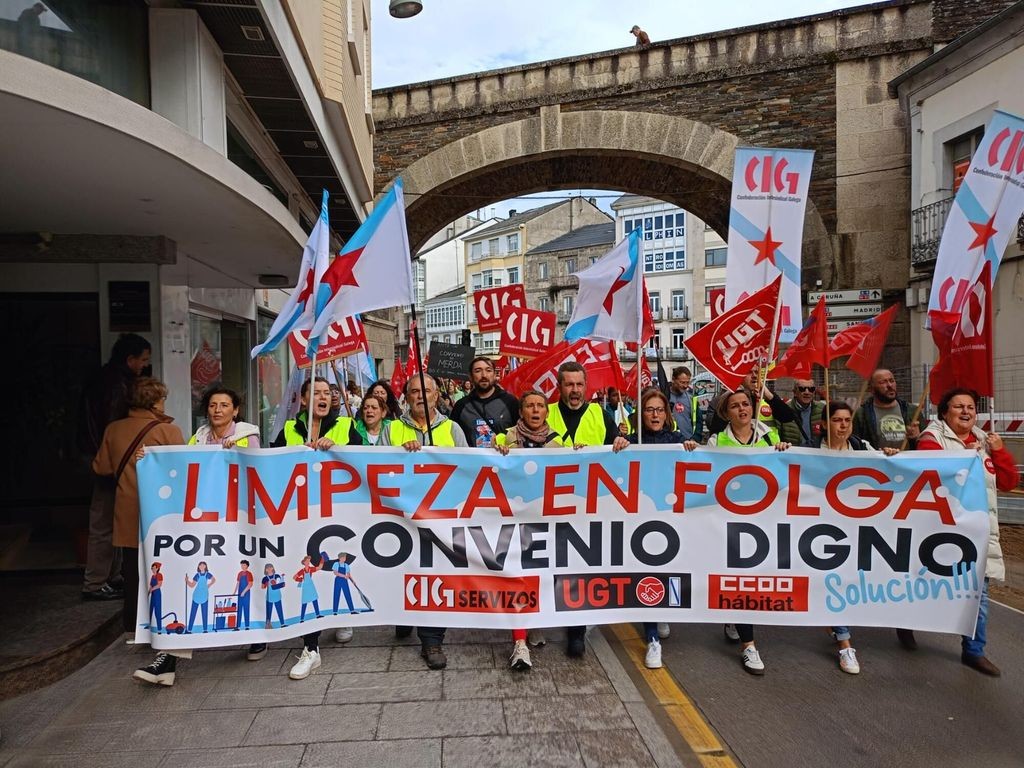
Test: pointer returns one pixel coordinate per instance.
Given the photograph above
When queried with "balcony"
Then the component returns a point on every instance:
(926, 225)
(656, 314)
(681, 314)
(560, 282)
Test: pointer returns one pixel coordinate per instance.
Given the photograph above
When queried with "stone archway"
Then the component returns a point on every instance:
(676, 159)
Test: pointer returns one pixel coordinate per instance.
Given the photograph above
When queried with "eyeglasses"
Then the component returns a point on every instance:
(807, 389)
(652, 411)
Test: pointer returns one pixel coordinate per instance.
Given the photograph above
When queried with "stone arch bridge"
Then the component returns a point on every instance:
(664, 121)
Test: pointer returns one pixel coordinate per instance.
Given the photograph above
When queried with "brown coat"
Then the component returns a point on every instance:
(117, 438)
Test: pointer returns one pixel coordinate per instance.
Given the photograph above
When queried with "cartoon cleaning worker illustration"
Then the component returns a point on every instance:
(342, 576)
(156, 581)
(309, 593)
(201, 583)
(243, 588)
(273, 582)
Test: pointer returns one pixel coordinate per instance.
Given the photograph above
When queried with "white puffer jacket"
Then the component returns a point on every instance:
(943, 434)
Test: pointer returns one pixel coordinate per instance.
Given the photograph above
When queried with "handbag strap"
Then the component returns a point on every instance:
(131, 449)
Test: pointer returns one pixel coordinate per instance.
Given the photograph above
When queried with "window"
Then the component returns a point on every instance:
(960, 151)
(715, 257)
(476, 280)
(513, 275)
(489, 278)
(654, 297)
(678, 336)
(476, 251)
(593, 260)
(544, 304)
(680, 225)
(666, 261)
(542, 271)
(678, 301)
(627, 226)
(707, 294)
(654, 343)
(568, 302)
(492, 246)
(512, 243)
(570, 266)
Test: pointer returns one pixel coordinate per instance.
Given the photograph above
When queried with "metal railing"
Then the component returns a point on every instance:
(681, 314)
(926, 225)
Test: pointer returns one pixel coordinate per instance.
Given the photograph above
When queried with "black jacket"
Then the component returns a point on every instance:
(500, 411)
(104, 399)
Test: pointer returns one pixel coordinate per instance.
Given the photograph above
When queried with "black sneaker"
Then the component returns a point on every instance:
(576, 648)
(403, 632)
(257, 651)
(434, 656)
(106, 592)
(160, 671)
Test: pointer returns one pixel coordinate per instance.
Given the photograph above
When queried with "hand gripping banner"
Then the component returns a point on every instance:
(241, 546)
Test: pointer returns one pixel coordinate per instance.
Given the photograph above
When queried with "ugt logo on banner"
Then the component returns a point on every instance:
(527, 333)
(344, 337)
(492, 303)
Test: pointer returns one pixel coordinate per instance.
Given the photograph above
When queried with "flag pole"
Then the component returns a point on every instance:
(917, 413)
(344, 389)
(312, 389)
(640, 350)
(762, 373)
(423, 378)
(828, 411)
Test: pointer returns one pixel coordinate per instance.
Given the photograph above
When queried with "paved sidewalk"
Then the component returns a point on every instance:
(372, 703)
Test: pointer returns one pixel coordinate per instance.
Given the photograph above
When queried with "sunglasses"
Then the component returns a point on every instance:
(806, 389)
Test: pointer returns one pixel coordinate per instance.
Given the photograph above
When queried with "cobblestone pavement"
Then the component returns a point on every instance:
(372, 703)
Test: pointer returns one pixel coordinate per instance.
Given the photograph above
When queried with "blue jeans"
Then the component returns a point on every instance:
(650, 631)
(975, 646)
(841, 633)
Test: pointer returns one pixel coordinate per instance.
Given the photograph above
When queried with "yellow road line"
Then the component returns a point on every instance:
(677, 705)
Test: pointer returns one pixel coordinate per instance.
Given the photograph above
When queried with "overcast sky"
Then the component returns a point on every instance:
(457, 37)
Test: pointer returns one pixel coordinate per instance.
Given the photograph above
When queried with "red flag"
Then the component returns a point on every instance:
(810, 347)
(646, 379)
(541, 373)
(865, 356)
(344, 337)
(848, 339)
(398, 379)
(737, 340)
(411, 365)
(647, 328)
(965, 342)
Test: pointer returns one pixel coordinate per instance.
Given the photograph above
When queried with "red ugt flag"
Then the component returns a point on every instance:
(597, 357)
(737, 340)
(865, 356)
(965, 343)
(810, 347)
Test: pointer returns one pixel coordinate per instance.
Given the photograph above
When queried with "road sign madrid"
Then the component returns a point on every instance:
(864, 311)
(845, 297)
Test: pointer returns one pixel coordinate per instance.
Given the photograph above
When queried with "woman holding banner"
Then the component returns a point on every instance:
(657, 429)
(221, 405)
(956, 428)
(531, 431)
(742, 431)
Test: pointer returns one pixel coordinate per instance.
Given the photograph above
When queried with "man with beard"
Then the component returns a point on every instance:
(884, 419)
(683, 403)
(578, 423)
(487, 410)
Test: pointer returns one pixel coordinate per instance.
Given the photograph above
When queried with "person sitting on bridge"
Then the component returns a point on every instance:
(642, 38)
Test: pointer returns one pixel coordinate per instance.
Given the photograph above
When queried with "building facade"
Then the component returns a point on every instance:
(162, 167)
(949, 98)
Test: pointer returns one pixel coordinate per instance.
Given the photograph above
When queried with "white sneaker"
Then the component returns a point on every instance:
(848, 661)
(663, 630)
(752, 661)
(308, 661)
(653, 658)
(520, 659)
(535, 637)
(343, 635)
(731, 634)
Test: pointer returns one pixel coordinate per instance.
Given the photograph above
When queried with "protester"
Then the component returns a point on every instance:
(617, 410)
(411, 433)
(487, 410)
(455, 391)
(146, 424)
(382, 389)
(355, 398)
(531, 431)
(656, 429)
(773, 409)
(335, 400)
(956, 428)
(371, 419)
(805, 430)
(221, 405)
(322, 434)
(736, 409)
(682, 400)
(579, 424)
(105, 399)
(884, 420)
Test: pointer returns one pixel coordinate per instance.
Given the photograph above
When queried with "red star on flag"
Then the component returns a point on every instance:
(618, 285)
(765, 248)
(982, 233)
(340, 272)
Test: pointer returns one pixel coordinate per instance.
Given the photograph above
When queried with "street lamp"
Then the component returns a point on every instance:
(404, 9)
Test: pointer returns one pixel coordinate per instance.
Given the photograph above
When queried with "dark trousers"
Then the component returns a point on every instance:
(430, 635)
(130, 574)
(575, 633)
(746, 632)
(311, 641)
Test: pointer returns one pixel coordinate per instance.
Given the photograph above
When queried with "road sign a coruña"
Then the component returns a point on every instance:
(845, 297)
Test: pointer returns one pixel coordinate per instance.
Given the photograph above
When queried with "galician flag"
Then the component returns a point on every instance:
(298, 311)
(373, 270)
(983, 217)
(609, 303)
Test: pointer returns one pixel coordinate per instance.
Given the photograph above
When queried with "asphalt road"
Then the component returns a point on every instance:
(908, 709)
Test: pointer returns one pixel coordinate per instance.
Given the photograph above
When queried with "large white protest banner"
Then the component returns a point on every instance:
(241, 546)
